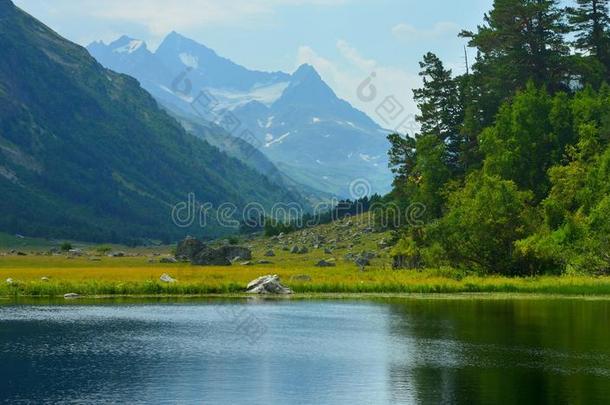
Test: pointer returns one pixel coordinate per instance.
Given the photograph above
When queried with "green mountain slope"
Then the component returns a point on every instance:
(85, 153)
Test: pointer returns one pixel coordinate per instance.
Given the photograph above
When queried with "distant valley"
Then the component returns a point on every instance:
(87, 154)
(295, 120)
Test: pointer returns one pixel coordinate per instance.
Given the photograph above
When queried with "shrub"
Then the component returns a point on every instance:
(103, 249)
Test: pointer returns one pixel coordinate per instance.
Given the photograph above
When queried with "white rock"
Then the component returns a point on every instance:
(267, 285)
(71, 296)
(166, 278)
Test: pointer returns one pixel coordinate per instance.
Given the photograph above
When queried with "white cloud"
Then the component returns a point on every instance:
(347, 74)
(353, 56)
(407, 32)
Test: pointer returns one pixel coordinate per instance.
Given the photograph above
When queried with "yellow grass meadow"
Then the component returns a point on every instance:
(135, 276)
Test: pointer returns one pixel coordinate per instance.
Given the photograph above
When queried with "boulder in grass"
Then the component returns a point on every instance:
(168, 260)
(75, 252)
(267, 285)
(326, 263)
(368, 255)
(270, 253)
(188, 248)
(166, 278)
(69, 296)
(210, 257)
(233, 252)
(201, 255)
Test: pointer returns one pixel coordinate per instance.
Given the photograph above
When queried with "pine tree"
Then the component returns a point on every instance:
(437, 100)
(401, 157)
(521, 41)
(590, 20)
(441, 112)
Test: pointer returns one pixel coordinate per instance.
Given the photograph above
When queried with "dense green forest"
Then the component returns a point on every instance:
(513, 158)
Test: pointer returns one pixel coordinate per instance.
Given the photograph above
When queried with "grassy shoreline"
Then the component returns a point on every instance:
(135, 277)
(471, 285)
(138, 281)
(136, 299)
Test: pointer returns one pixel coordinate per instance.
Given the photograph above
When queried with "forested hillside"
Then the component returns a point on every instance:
(513, 160)
(86, 154)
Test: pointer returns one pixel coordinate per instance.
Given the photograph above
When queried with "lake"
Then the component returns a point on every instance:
(441, 350)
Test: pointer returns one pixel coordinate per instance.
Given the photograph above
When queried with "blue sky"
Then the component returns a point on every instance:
(345, 40)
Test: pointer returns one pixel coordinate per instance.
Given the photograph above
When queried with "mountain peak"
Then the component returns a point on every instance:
(174, 34)
(305, 71)
(177, 40)
(174, 44)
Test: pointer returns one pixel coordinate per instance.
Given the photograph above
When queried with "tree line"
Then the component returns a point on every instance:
(512, 159)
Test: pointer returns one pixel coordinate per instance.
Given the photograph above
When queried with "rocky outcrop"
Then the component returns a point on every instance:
(200, 254)
(267, 285)
(210, 257)
(188, 248)
(232, 253)
(299, 250)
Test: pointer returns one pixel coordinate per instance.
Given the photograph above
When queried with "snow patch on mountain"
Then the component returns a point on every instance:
(183, 97)
(231, 99)
(278, 140)
(130, 47)
(189, 60)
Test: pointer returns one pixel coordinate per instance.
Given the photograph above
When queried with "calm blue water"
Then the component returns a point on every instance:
(310, 352)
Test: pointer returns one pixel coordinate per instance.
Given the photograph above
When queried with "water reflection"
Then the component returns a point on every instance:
(501, 351)
(323, 352)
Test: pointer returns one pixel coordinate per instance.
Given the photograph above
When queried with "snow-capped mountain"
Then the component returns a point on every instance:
(295, 119)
